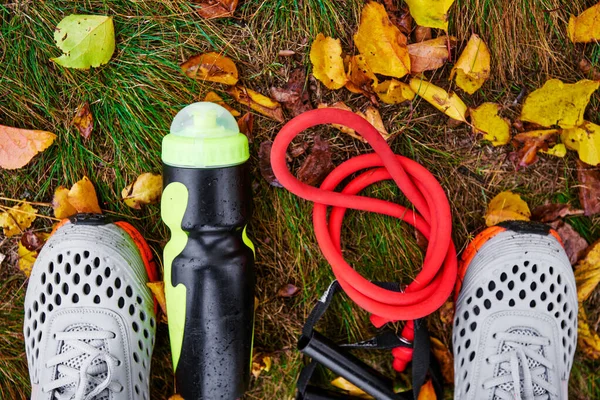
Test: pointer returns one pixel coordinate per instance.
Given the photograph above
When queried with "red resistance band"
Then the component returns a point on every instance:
(434, 283)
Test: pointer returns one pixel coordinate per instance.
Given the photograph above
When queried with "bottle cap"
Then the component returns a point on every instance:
(204, 135)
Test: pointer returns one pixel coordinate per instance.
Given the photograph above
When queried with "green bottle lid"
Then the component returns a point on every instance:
(204, 135)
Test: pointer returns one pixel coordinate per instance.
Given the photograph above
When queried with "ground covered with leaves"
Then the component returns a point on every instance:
(507, 87)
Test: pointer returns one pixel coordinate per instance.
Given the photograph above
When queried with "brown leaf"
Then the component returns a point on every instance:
(264, 163)
(246, 124)
(401, 18)
(261, 362)
(288, 290)
(430, 54)
(297, 150)
(447, 313)
(552, 212)
(318, 163)
(215, 98)
(286, 53)
(210, 9)
(529, 143)
(19, 146)
(589, 188)
(422, 33)
(257, 102)
(360, 78)
(575, 246)
(212, 67)
(295, 95)
(444, 357)
(32, 241)
(84, 121)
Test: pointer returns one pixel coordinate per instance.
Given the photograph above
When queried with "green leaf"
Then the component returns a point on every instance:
(86, 41)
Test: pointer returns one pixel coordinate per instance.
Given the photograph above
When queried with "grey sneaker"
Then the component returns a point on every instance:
(89, 317)
(515, 327)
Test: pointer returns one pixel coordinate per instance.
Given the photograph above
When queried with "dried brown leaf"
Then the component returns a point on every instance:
(32, 241)
(288, 290)
(422, 33)
(552, 212)
(257, 102)
(529, 143)
(318, 163)
(84, 121)
(295, 95)
(430, 54)
(246, 125)
(264, 163)
(286, 53)
(210, 9)
(575, 246)
(589, 188)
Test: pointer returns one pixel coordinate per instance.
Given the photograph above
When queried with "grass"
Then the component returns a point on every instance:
(135, 96)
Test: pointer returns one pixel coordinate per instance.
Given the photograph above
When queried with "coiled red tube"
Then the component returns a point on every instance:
(434, 283)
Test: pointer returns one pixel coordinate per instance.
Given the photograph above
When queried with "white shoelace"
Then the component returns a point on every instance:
(519, 374)
(74, 382)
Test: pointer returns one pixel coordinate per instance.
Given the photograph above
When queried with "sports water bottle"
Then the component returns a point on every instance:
(209, 260)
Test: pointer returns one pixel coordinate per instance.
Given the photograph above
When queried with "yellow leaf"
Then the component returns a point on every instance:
(176, 397)
(328, 65)
(82, 197)
(588, 341)
(260, 362)
(394, 92)
(430, 13)
(257, 102)
(473, 66)
(18, 218)
(444, 357)
(212, 67)
(558, 150)
(449, 104)
(427, 391)
(429, 54)
(381, 42)
(84, 121)
(146, 189)
(585, 139)
(585, 27)
(360, 77)
(486, 121)
(158, 290)
(18, 146)
(342, 128)
(215, 98)
(372, 115)
(350, 388)
(60, 203)
(506, 206)
(558, 103)
(587, 272)
(27, 257)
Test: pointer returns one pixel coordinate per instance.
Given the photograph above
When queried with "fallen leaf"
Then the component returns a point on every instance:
(558, 103)
(360, 78)
(394, 92)
(448, 103)
(430, 54)
(588, 341)
(586, 26)
(427, 391)
(260, 362)
(529, 143)
(402, 19)
(212, 67)
(574, 245)
(372, 115)
(295, 95)
(444, 357)
(587, 272)
(552, 212)
(246, 125)
(17, 219)
(473, 66)
(328, 65)
(264, 163)
(60, 203)
(18, 146)
(589, 188)
(210, 9)
(28, 256)
(257, 102)
(486, 121)
(342, 128)
(84, 121)
(317, 164)
(146, 189)
(422, 33)
(86, 41)
(32, 241)
(430, 13)
(83, 198)
(350, 388)
(447, 313)
(286, 53)
(558, 150)
(506, 206)
(585, 139)
(215, 98)
(381, 42)
(158, 290)
(288, 290)
(176, 397)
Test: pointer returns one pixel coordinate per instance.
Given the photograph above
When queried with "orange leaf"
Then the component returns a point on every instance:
(215, 98)
(257, 102)
(360, 78)
(210, 9)
(372, 115)
(84, 121)
(18, 146)
(158, 290)
(211, 67)
(82, 197)
(427, 392)
(246, 124)
(60, 203)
